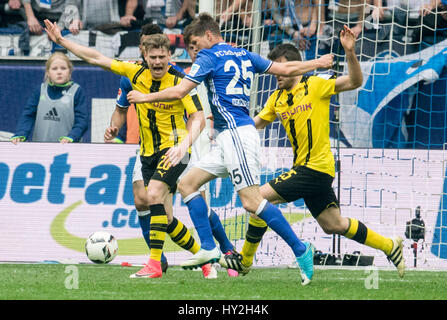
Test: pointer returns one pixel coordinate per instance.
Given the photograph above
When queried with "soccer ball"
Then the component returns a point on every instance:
(101, 247)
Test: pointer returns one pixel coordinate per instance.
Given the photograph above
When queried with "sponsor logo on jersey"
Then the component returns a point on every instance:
(162, 105)
(297, 109)
(194, 69)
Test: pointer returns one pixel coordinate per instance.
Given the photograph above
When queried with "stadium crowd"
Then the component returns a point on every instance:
(301, 22)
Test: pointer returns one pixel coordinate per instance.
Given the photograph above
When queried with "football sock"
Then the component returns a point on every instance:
(144, 218)
(158, 225)
(357, 231)
(276, 221)
(219, 232)
(198, 211)
(182, 237)
(255, 231)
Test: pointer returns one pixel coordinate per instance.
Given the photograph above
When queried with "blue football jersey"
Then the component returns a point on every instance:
(124, 89)
(228, 74)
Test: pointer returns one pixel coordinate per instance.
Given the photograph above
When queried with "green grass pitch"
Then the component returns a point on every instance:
(107, 282)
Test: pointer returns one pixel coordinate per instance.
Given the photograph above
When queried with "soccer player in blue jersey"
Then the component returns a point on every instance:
(139, 190)
(228, 74)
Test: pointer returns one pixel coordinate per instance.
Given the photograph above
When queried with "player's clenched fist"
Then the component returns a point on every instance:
(327, 61)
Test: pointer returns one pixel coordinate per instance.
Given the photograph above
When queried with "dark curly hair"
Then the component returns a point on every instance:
(286, 50)
(204, 22)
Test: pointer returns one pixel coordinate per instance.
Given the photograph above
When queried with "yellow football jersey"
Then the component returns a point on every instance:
(304, 113)
(162, 124)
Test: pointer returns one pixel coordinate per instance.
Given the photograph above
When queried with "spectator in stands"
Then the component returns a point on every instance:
(11, 12)
(179, 13)
(169, 13)
(236, 20)
(57, 110)
(353, 13)
(238, 11)
(103, 15)
(62, 11)
(297, 21)
(434, 22)
(407, 13)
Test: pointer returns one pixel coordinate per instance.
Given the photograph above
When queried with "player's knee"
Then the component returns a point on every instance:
(328, 229)
(334, 227)
(250, 205)
(185, 188)
(155, 197)
(141, 207)
(141, 203)
(181, 187)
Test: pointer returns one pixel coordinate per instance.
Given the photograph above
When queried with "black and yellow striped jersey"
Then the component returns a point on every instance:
(304, 113)
(162, 124)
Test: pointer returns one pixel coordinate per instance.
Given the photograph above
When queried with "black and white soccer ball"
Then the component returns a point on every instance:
(101, 247)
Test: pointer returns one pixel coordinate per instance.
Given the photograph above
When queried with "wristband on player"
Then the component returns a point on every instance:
(22, 138)
(68, 138)
(117, 140)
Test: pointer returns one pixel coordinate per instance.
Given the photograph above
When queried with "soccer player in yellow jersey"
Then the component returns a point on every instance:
(163, 133)
(302, 105)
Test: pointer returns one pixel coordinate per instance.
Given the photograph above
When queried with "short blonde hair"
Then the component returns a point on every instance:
(54, 56)
(156, 41)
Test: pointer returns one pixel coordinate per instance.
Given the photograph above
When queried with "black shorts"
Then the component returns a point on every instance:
(155, 167)
(313, 186)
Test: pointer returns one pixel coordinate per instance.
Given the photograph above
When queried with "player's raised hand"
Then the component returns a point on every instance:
(135, 96)
(110, 134)
(53, 31)
(347, 38)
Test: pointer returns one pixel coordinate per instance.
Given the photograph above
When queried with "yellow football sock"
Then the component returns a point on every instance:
(255, 231)
(182, 237)
(157, 233)
(359, 232)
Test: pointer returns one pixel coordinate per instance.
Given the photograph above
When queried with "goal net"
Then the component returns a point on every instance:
(387, 136)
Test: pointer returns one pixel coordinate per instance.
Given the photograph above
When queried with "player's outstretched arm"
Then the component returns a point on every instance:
(354, 79)
(260, 123)
(169, 94)
(87, 54)
(297, 68)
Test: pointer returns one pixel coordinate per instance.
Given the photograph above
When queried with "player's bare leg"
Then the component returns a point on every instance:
(257, 227)
(251, 198)
(332, 222)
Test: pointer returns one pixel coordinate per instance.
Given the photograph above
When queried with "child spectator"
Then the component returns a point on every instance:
(57, 110)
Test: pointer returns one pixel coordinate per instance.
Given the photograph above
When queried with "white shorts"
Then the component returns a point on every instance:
(236, 154)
